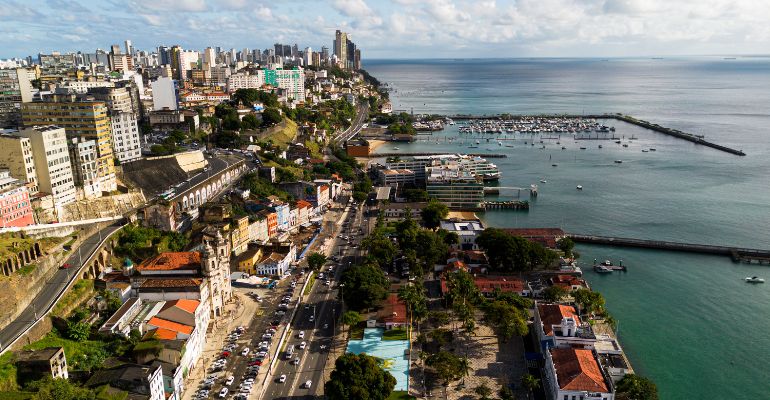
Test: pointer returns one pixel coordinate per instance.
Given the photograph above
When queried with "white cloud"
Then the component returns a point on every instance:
(169, 5)
(352, 8)
(263, 13)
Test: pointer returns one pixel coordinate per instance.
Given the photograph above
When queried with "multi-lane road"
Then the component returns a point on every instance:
(324, 306)
(362, 114)
(53, 289)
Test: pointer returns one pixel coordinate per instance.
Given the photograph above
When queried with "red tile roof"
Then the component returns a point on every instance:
(545, 236)
(552, 314)
(171, 261)
(170, 325)
(171, 283)
(303, 204)
(184, 304)
(578, 370)
(162, 334)
(393, 311)
(567, 281)
(488, 284)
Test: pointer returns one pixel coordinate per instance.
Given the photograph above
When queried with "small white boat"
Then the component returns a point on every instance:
(618, 161)
(754, 279)
(396, 148)
(579, 187)
(543, 181)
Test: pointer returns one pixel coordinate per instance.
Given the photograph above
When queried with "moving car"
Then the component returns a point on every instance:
(308, 384)
(282, 378)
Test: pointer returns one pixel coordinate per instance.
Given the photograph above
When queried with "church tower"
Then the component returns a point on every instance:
(216, 269)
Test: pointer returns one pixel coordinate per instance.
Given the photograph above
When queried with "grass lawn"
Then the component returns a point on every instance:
(27, 269)
(17, 395)
(80, 290)
(357, 332)
(395, 334)
(400, 395)
(282, 137)
(310, 284)
(7, 373)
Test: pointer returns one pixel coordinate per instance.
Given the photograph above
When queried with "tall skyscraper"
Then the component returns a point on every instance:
(52, 162)
(350, 62)
(129, 48)
(341, 47)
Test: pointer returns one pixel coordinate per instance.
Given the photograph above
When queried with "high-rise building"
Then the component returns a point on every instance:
(174, 59)
(16, 156)
(52, 162)
(164, 55)
(123, 119)
(188, 60)
(84, 119)
(56, 63)
(15, 88)
(164, 94)
(308, 56)
(350, 62)
(341, 47)
(83, 157)
(357, 59)
(129, 48)
(210, 57)
(295, 50)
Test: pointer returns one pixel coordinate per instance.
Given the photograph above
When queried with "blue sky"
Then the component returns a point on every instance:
(396, 28)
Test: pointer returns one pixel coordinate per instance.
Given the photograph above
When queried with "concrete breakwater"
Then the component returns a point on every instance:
(697, 139)
(402, 154)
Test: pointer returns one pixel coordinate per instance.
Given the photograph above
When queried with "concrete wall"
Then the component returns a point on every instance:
(191, 160)
(108, 206)
(16, 291)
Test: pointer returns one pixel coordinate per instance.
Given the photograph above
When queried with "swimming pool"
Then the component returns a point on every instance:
(393, 352)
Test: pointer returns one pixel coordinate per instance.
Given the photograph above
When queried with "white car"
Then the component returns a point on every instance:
(245, 352)
(282, 379)
(296, 361)
(302, 345)
(312, 318)
(308, 384)
(229, 381)
(223, 393)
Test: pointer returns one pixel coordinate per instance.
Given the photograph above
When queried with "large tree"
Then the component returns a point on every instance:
(380, 249)
(506, 319)
(270, 117)
(365, 286)
(433, 213)
(351, 318)
(635, 387)
(448, 366)
(413, 295)
(316, 260)
(512, 253)
(530, 382)
(589, 301)
(359, 377)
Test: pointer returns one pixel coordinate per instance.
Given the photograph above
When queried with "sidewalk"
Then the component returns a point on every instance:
(238, 312)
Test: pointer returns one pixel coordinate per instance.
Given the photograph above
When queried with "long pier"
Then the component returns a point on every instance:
(737, 254)
(697, 139)
(485, 155)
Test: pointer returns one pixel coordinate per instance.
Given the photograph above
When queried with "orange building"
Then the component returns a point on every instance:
(272, 224)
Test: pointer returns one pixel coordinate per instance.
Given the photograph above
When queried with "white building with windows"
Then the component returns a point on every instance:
(125, 136)
(52, 162)
(164, 94)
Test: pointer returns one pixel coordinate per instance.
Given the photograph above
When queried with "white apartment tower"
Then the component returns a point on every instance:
(164, 94)
(52, 162)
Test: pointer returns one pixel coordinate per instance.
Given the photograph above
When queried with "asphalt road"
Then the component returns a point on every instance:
(362, 113)
(53, 288)
(323, 304)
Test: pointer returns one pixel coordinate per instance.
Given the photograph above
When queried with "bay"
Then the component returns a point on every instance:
(688, 321)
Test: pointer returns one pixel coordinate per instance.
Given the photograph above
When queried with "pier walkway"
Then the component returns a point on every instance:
(737, 254)
(697, 139)
(403, 154)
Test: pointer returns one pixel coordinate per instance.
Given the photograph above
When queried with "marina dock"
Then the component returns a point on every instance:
(737, 254)
(697, 139)
(403, 154)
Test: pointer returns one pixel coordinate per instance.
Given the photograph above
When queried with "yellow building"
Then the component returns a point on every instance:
(247, 262)
(83, 119)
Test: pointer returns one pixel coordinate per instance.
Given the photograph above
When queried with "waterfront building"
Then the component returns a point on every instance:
(52, 162)
(15, 88)
(466, 230)
(15, 206)
(16, 156)
(397, 177)
(576, 374)
(454, 186)
(84, 119)
(164, 94)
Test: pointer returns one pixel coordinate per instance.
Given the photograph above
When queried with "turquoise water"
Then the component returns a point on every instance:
(687, 321)
(392, 351)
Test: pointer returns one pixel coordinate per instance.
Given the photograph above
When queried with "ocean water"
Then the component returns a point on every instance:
(688, 321)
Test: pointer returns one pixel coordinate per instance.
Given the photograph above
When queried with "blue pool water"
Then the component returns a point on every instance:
(392, 351)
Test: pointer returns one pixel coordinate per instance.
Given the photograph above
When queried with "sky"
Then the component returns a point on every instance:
(396, 28)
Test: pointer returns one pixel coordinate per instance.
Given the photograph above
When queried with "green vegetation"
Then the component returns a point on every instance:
(566, 245)
(27, 269)
(416, 195)
(395, 334)
(7, 372)
(635, 387)
(433, 213)
(413, 295)
(555, 293)
(316, 260)
(530, 382)
(365, 286)
(262, 188)
(510, 253)
(351, 319)
(359, 376)
(79, 292)
(86, 355)
(138, 243)
(589, 301)
(281, 137)
(357, 331)
(448, 366)
(250, 96)
(400, 395)
(309, 287)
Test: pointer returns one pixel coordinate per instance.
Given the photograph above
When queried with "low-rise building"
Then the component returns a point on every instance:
(357, 148)
(144, 381)
(397, 177)
(16, 156)
(15, 205)
(37, 364)
(576, 374)
(466, 230)
(277, 260)
(393, 313)
(398, 211)
(248, 261)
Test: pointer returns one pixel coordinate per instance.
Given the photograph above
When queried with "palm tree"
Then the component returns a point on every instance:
(530, 382)
(464, 366)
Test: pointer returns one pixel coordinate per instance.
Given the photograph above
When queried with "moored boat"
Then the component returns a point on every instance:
(754, 279)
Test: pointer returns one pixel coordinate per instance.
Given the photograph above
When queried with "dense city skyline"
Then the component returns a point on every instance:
(432, 28)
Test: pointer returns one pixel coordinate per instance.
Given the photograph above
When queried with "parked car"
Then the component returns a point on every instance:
(282, 378)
